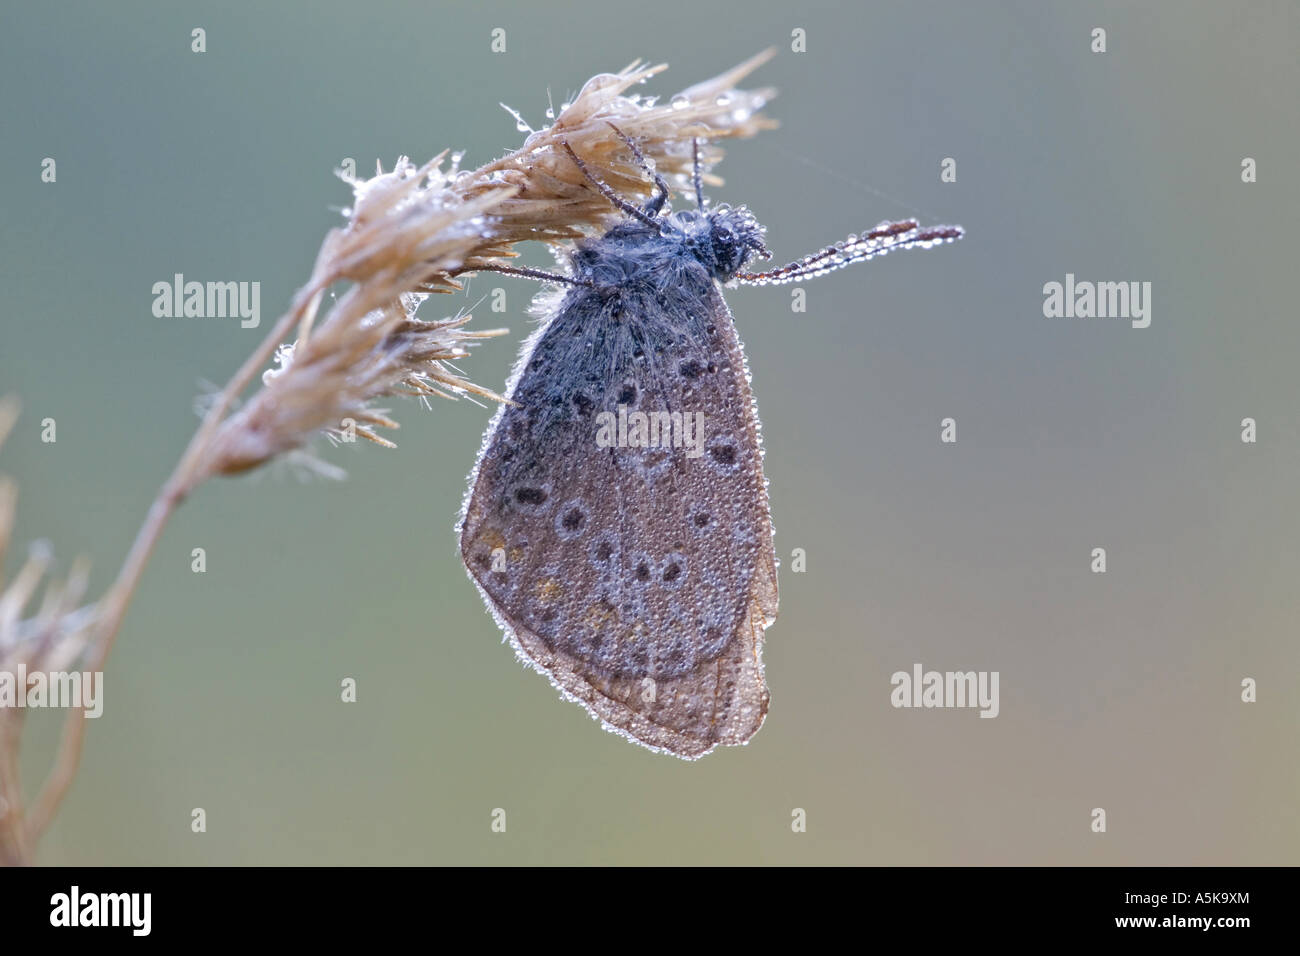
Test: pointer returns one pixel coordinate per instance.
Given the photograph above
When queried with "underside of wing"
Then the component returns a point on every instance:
(618, 523)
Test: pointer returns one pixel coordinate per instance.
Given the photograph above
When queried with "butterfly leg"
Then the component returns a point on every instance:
(696, 175)
(607, 192)
(660, 196)
(524, 272)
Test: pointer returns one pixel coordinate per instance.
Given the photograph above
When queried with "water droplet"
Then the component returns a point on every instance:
(520, 124)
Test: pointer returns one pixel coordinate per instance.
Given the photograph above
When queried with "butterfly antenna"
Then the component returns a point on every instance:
(884, 238)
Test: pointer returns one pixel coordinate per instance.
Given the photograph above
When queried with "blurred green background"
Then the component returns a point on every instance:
(1118, 690)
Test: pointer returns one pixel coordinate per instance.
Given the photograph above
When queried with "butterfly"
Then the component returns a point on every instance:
(617, 520)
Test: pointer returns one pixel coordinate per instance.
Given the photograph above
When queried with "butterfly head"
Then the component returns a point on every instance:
(723, 238)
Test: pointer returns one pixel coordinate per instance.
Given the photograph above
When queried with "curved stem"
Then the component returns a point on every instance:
(13, 836)
(189, 473)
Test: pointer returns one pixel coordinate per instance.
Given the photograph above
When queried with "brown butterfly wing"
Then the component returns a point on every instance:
(640, 580)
